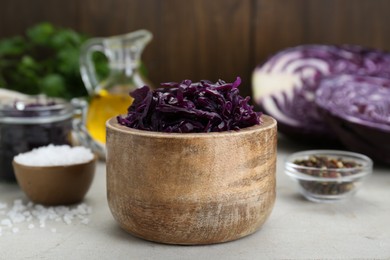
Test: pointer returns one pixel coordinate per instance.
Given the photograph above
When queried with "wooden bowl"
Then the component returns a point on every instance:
(199, 188)
(55, 185)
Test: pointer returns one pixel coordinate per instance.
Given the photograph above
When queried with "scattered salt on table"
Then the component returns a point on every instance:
(55, 155)
(37, 215)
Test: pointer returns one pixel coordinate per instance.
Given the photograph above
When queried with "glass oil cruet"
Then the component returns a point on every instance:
(110, 97)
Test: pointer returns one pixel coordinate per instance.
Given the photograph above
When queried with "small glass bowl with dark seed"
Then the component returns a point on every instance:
(328, 175)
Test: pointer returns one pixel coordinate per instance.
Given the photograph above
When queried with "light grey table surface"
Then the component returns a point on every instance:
(358, 228)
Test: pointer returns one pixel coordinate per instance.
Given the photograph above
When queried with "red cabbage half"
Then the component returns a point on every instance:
(188, 107)
(357, 108)
(284, 86)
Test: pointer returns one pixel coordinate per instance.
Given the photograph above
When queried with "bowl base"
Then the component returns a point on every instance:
(326, 198)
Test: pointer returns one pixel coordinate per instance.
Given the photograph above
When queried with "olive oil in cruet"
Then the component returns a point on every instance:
(110, 97)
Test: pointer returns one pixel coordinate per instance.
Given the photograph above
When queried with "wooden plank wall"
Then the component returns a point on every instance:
(211, 39)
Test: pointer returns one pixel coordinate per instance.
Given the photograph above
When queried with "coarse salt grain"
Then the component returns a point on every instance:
(6, 222)
(3, 205)
(85, 221)
(55, 155)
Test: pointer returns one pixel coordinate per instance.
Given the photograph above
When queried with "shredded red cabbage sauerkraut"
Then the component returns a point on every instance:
(188, 107)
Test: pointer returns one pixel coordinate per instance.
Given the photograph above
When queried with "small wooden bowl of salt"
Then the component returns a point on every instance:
(55, 175)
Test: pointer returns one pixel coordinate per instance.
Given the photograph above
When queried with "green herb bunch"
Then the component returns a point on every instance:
(45, 60)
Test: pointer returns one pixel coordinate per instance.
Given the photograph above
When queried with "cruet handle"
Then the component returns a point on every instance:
(87, 66)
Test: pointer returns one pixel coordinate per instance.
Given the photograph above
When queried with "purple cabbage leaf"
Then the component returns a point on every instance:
(357, 108)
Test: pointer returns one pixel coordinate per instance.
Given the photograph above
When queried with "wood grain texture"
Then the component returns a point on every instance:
(277, 24)
(285, 23)
(202, 39)
(191, 188)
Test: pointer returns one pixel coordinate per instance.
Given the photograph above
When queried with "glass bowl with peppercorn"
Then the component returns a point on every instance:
(328, 175)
